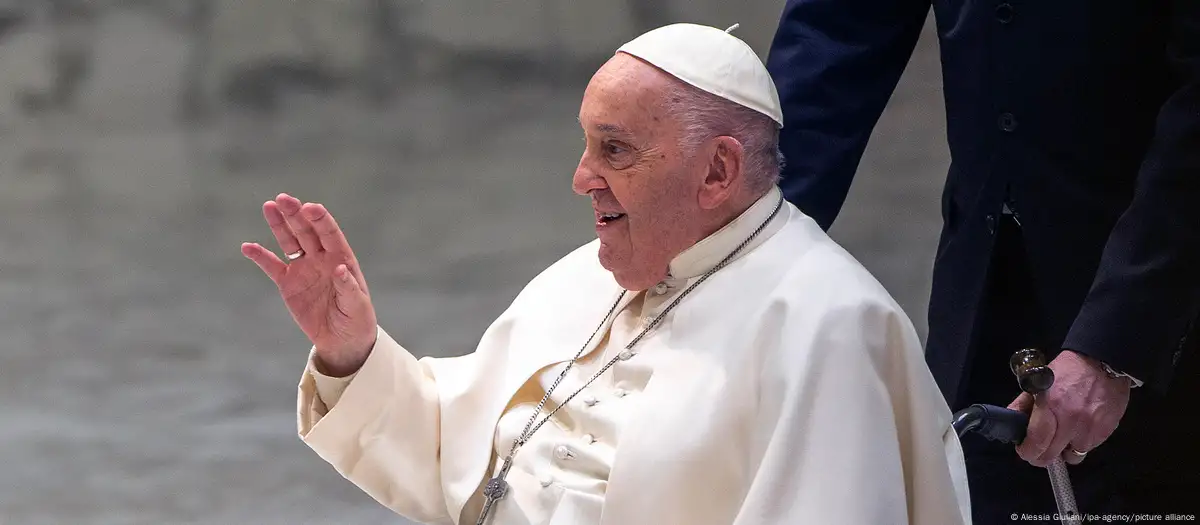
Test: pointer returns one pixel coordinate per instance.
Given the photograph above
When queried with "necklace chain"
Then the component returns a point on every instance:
(627, 353)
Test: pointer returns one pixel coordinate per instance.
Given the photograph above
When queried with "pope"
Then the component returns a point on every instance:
(713, 357)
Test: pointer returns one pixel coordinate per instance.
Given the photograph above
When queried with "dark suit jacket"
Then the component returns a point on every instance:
(1083, 115)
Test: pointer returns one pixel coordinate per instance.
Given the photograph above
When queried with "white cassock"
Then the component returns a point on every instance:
(788, 388)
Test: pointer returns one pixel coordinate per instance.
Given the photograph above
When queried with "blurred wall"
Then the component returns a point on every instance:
(583, 29)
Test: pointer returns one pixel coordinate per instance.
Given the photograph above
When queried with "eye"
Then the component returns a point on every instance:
(618, 154)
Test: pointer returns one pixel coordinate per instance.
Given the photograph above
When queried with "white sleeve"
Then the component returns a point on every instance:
(380, 429)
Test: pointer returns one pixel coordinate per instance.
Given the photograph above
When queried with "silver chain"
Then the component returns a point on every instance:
(626, 354)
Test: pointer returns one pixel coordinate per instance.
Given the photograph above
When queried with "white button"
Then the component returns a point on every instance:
(620, 392)
(660, 288)
(562, 452)
(546, 482)
(590, 400)
(625, 355)
(589, 439)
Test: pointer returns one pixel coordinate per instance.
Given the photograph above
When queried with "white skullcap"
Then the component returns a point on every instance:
(712, 60)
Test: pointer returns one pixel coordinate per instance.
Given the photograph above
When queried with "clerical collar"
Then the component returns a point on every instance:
(702, 256)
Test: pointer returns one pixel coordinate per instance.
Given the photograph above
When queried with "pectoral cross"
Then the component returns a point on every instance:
(495, 490)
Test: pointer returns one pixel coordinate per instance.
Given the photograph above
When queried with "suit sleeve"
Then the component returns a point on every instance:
(1146, 290)
(381, 430)
(835, 64)
(863, 435)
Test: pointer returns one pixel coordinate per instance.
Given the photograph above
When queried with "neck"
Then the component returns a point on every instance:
(718, 218)
(727, 212)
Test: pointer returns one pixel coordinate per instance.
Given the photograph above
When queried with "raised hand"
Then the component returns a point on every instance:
(321, 284)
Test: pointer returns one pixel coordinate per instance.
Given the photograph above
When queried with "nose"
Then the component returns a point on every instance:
(586, 179)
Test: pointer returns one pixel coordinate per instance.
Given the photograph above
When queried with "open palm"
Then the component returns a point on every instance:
(322, 286)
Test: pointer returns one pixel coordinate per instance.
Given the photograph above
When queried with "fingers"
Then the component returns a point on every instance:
(1092, 434)
(1064, 433)
(279, 227)
(1039, 435)
(1071, 455)
(301, 227)
(266, 260)
(349, 297)
(1023, 403)
(328, 232)
(333, 240)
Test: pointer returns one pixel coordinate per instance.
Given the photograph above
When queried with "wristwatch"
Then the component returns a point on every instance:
(1115, 374)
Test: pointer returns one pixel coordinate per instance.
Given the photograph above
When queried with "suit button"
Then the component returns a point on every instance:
(1007, 122)
(1005, 13)
(991, 223)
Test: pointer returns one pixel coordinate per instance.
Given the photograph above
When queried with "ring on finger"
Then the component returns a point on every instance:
(295, 255)
(1076, 453)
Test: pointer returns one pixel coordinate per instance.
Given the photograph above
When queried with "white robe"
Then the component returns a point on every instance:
(787, 388)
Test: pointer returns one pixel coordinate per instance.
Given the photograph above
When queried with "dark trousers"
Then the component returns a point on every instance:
(1150, 465)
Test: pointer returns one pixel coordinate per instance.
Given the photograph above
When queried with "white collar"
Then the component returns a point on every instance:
(704, 255)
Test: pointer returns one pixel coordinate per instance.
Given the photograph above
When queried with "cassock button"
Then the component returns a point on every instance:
(620, 392)
(546, 482)
(1005, 13)
(589, 439)
(660, 288)
(625, 355)
(590, 400)
(1007, 122)
(562, 452)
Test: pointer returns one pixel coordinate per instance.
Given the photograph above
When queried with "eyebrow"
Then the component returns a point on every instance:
(611, 129)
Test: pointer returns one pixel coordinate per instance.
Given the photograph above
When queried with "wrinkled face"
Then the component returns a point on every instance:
(644, 193)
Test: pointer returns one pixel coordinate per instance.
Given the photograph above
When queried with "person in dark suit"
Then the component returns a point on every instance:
(1071, 219)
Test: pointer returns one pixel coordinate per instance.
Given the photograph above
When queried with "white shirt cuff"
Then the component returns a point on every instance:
(329, 389)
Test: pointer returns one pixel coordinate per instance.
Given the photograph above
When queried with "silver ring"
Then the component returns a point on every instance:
(295, 255)
(1076, 452)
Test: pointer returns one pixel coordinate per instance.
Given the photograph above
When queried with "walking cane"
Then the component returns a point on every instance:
(1008, 426)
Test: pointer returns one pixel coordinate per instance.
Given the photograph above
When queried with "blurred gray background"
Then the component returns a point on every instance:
(148, 371)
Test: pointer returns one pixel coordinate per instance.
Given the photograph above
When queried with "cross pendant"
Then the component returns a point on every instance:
(495, 490)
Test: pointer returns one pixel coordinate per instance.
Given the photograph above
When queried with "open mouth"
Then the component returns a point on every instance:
(609, 218)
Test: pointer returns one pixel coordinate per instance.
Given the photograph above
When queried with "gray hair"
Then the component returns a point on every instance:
(704, 115)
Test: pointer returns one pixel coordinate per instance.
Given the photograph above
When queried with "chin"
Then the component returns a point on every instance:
(618, 271)
(631, 280)
(606, 258)
(623, 270)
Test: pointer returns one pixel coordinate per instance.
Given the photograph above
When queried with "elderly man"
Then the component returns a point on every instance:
(712, 358)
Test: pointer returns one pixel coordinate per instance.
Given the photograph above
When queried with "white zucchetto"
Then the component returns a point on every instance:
(712, 60)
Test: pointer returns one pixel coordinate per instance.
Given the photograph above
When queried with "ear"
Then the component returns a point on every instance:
(725, 164)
